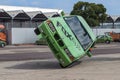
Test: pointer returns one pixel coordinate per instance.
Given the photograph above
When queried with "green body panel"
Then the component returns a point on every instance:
(63, 38)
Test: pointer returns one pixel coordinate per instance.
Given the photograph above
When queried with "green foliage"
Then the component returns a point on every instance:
(93, 13)
(62, 13)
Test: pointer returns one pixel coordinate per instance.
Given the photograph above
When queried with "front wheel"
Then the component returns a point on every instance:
(2, 45)
(62, 65)
(107, 42)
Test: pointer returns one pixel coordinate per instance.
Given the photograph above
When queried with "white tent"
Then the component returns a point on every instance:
(29, 9)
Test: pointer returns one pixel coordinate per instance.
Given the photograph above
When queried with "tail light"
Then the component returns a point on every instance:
(50, 24)
(90, 49)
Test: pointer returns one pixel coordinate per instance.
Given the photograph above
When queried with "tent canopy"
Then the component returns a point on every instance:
(4, 15)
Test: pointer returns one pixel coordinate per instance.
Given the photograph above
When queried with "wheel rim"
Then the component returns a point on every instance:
(107, 41)
(2, 45)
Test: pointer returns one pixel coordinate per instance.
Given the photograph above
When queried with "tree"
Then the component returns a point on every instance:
(62, 13)
(93, 13)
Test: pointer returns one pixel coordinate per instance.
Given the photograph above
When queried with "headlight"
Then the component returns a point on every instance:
(69, 54)
(50, 24)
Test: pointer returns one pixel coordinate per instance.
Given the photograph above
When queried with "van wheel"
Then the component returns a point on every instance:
(107, 42)
(2, 45)
(61, 65)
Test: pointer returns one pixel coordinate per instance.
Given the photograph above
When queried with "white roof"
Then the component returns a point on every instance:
(114, 17)
(29, 9)
(34, 13)
(14, 13)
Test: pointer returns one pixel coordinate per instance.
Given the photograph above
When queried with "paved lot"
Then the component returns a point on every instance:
(25, 52)
(45, 67)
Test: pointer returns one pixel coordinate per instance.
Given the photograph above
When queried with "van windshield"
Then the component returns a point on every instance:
(79, 31)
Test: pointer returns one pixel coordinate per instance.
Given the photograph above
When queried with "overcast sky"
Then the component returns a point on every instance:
(113, 6)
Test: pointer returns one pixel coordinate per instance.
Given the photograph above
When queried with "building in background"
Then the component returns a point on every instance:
(20, 22)
(112, 22)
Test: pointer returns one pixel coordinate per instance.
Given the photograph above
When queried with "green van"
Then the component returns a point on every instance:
(69, 37)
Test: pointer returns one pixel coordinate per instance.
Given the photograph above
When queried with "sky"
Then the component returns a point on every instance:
(112, 6)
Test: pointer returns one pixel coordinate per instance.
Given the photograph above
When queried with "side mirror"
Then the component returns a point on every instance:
(37, 31)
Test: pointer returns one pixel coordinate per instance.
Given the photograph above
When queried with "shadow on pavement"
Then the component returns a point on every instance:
(54, 64)
(37, 65)
(100, 59)
(41, 65)
(26, 56)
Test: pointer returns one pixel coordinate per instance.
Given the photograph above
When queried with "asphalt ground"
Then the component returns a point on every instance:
(25, 52)
(29, 52)
(23, 64)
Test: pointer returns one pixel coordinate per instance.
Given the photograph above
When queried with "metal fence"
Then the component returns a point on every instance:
(23, 35)
(103, 31)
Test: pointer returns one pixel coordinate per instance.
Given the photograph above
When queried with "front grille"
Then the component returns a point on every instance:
(52, 46)
(58, 39)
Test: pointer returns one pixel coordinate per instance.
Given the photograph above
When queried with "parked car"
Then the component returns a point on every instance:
(104, 39)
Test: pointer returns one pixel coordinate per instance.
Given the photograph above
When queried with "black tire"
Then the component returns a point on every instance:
(62, 65)
(107, 42)
(2, 45)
